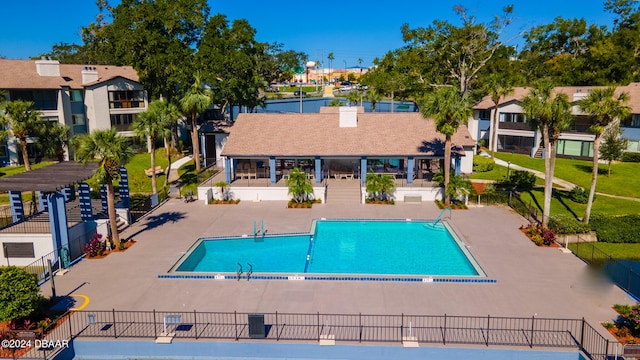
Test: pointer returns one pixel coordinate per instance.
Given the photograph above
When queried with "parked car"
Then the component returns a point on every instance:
(346, 86)
(297, 93)
(272, 89)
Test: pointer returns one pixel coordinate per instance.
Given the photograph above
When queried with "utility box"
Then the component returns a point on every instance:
(256, 326)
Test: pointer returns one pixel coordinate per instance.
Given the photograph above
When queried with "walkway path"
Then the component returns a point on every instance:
(566, 185)
(173, 171)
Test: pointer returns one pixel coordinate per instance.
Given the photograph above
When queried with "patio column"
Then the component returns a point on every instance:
(84, 197)
(42, 200)
(410, 169)
(58, 221)
(234, 162)
(123, 188)
(227, 170)
(69, 193)
(203, 150)
(457, 165)
(103, 197)
(318, 168)
(17, 207)
(363, 170)
(272, 169)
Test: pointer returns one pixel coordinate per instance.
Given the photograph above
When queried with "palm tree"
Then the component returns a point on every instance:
(449, 109)
(330, 57)
(549, 113)
(195, 102)
(380, 186)
(498, 87)
(24, 122)
(151, 125)
(299, 184)
(54, 138)
(374, 96)
(224, 187)
(112, 151)
(604, 108)
(360, 64)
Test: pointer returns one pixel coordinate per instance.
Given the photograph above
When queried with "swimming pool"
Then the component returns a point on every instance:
(360, 247)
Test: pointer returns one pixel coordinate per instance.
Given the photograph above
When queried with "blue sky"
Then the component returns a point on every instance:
(349, 29)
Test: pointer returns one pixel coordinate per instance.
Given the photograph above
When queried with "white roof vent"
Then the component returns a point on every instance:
(348, 116)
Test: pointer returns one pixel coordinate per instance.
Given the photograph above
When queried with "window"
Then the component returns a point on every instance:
(126, 99)
(122, 122)
(18, 250)
(49, 119)
(633, 121)
(75, 95)
(77, 119)
(512, 117)
(3, 150)
(484, 114)
(42, 99)
(574, 148)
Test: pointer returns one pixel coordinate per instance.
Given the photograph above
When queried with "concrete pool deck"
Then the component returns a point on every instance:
(531, 281)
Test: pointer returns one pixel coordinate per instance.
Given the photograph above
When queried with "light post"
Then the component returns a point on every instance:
(345, 70)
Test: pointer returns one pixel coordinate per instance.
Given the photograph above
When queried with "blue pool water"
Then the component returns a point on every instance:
(339, 247)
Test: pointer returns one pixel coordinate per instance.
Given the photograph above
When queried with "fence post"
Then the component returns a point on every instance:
(195, 323)
(318, 325)
(70, 329)
(277, 331)
(155, 327)
(444, 331)
(533, 319)
(606, 350)
(360, 320)
(582, 334)
(488, 327)
(629, 280)
(235, 323)
(401, 325)
(115, 333)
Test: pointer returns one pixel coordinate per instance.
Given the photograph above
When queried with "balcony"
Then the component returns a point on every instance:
(514, 126)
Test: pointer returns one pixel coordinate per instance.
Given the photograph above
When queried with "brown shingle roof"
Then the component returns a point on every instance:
(319, 134)
(22, 74)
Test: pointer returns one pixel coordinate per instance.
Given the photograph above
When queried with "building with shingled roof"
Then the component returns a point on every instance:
(82, 97)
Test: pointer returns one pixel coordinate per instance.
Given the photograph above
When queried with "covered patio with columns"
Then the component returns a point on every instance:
(334, 144)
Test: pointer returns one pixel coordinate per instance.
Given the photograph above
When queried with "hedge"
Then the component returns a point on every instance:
(482, 164)
(630, 157)
(616, 229)
(565, 224)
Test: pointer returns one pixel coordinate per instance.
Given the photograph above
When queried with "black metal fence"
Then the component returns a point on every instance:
(620, 272)
(428, 329)
(511, 198)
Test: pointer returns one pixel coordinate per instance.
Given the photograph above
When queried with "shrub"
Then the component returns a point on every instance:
(522, 179)
(631, 157)
(616, 229)
(538, 234)
(482, 164)
(579, 195)
(95, 247)
(565, 224)
(19, 294)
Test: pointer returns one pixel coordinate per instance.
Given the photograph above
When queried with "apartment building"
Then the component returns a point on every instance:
(515, 133)
(82, 97)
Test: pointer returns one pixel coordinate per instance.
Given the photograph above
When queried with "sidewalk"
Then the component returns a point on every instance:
(173, 171)
(566, 185)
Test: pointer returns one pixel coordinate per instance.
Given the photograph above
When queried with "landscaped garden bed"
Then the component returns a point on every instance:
(302, 205)
(223, 202)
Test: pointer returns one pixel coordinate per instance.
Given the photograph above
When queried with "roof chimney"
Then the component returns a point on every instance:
(46, 67)
(348, 116)
(89, 74)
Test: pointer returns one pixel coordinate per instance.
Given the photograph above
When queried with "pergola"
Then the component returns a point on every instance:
(50, 178)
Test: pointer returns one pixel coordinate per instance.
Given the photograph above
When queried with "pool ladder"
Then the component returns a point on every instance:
(440, 216)
(239, 271)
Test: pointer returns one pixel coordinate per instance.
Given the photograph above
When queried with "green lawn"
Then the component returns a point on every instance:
(624, 179)
(617, 251)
